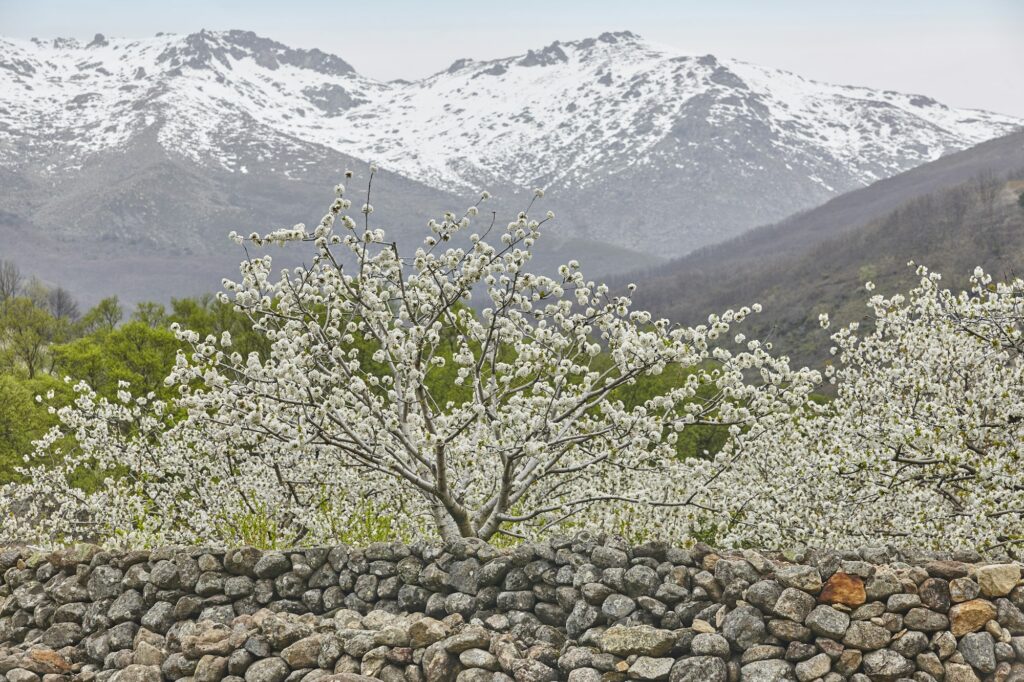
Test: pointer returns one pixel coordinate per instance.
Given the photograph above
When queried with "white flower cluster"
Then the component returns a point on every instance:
(923, 444)
(385, 385)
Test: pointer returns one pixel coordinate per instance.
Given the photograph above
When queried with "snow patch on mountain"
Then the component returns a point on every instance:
(577, 116)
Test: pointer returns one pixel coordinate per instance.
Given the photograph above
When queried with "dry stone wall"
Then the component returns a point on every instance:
(582, 609)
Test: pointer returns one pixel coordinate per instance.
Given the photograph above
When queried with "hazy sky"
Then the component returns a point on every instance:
(966, 53)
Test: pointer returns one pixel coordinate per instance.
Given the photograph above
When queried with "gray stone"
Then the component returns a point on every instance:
(828, 622)
(886, 664)
(910, 644)
(925, 620)
(136, 673)
(583, 617)
(866, 636)
(768, 671)
(794, 604)
(641, 581)
(618, 606)
(764, 594)
(104, 583)
(797, 576)
(62, 635)
(609, 557)
(710, 644)
(698, 669)
(267, 670)
(978, 649)
(271, 565)
(651, 669)
(642, 640)
(743, 627)
(813, 668)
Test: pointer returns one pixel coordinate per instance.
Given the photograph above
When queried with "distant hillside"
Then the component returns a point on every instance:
(951, 215)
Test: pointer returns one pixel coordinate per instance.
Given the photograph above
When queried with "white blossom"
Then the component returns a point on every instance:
(353, 406)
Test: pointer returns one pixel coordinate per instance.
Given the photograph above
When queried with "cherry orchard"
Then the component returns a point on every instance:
(923, 445)
(449, 389)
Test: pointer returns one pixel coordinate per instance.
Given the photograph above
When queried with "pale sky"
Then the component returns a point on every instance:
(965, 53)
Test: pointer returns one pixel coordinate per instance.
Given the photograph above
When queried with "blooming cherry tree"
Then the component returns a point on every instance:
(448, 388)
(924, 442)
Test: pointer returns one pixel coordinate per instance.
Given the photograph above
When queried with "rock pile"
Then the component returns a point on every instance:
(582, 609)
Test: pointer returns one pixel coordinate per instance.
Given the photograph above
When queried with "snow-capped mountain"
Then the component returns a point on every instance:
(640, 146)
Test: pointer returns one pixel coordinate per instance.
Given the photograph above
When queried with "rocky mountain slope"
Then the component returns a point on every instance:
(166, 143)
(951, 215)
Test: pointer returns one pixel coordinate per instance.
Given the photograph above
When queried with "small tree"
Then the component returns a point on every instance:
(384, 386)
(10, 280)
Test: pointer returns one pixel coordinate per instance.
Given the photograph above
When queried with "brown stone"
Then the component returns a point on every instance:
(48, 661)
(970, 616)
(843, 588)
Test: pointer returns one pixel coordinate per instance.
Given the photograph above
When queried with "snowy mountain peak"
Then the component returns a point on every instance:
(704, 147)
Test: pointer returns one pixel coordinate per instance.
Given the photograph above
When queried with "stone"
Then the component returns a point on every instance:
(963, 589)
(1009, 616)
(764, 594)
(699, 669)
(934, 593)
(62, 634)
(886, 664)
(617, 606)
(767, 671)
(978, 649)
(910, 644)
(211, 669)
(743, 627)
(651, 669)
(883, 584)
(708, 644)
(581, 675)
(21, 675)
(471, 637)
(843, 588)
(135, 673)
(970, 616)
(426, 631)
(129, 606)
(806, 578)
(849, 662)
(303, 653)
(826, 621)
(104, 583)
(794, 604)
(946, 569)
(267, 670)
(609, 557)
(642, 640)
(148, 654)
(925, 620)
(997, 580)
(959, 672)
(272, 565)
(478, 658)
(866, 636)
(813, 668)
(532, 670)
(902, 602)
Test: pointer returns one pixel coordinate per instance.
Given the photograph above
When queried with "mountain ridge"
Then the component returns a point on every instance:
(703, 148)
(155, 148)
